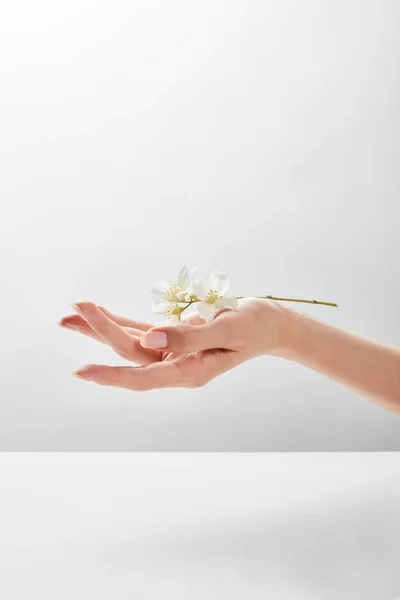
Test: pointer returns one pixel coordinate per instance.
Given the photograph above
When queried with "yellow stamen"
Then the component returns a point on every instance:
(212, 296)
(173, 290)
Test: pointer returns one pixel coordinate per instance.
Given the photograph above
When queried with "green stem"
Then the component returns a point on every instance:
(291, 300)
(269, 298)
(275, 298)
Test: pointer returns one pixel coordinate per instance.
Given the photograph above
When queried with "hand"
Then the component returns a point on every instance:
(186, 355)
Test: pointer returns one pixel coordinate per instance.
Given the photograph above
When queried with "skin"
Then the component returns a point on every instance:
(197, 351)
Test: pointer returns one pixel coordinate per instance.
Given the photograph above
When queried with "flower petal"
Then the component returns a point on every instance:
(227, 302)
(200, 289)
(158, 300)
(206, 310)
(192, 274)
(162, 308)
(159, 289)
(183, 278)
(219, 282)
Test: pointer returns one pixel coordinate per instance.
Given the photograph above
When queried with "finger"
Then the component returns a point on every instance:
(191, 371)
(115, 335)
(140, 325)
(77, 323)
(156, 375)
(221, 332)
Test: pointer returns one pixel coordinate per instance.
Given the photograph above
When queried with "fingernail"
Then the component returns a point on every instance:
(80, 375)
(154, 339)
(78, 309)
(66, 325)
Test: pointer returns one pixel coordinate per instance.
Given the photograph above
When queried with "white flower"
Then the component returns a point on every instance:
(169, 298)
(211, 295)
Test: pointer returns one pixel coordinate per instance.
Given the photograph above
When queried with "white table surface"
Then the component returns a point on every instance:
(200, 526)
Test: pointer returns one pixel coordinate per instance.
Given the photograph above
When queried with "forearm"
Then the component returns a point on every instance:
(369, 368)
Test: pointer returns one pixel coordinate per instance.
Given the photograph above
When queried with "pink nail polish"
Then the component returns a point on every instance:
(67, 326)
(154, 339)
(78, 309)
(82, 375)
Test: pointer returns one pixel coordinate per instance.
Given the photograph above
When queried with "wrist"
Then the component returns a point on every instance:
(295, 333)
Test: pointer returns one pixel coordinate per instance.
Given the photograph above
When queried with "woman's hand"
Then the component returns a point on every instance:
(186, 355)
(194, 352)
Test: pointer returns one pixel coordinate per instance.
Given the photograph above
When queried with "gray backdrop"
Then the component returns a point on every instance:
(259, 138)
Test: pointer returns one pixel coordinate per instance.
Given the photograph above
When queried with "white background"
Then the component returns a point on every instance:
(258, 138)
(188, 527)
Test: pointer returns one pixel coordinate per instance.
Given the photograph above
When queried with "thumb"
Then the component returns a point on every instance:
(184, 338)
